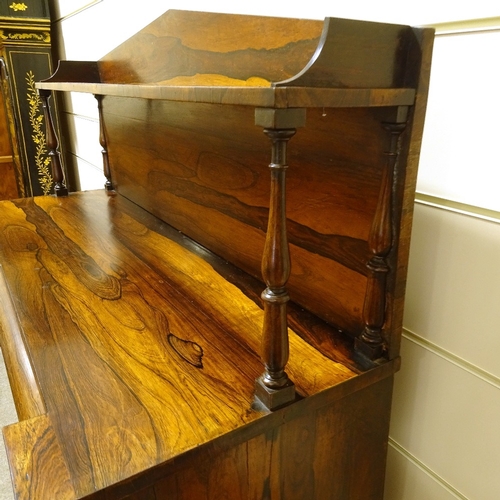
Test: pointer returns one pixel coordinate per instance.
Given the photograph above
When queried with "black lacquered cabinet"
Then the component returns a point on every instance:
(25, 50)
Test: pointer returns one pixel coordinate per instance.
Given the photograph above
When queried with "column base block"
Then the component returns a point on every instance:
(370, 351)
(273, 399)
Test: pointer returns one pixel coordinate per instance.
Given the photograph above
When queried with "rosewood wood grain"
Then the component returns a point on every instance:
(266, 49)
(411, 141)
(274, 388)
(146, 339)
(9, 162)
(268, 52)
(108, 185)
(23, 382)
(379, 56)
(380, 241)
(216, 190)
(275, 97)
(60, 188)
(376, 57)
(320, 442)
(278, 62)
(315, 331)
(37, 465)
(101, 293)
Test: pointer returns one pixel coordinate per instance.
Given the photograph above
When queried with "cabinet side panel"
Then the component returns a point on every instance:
(335, 453)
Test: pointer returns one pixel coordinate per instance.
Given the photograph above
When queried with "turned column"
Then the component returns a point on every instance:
(273, 388)
(108, 185)
(371, 342)
(60, 188)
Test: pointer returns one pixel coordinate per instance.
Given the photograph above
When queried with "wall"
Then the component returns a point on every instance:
(444, 436)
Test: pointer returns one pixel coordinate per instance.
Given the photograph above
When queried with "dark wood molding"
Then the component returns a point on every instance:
(60, 188)
(108, 185)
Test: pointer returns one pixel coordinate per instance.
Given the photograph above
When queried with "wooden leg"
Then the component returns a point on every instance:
(274, 388)
(371, 342)
(108, 185)
(60, 188)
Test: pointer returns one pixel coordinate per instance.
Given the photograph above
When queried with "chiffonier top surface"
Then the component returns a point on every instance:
(253, 60)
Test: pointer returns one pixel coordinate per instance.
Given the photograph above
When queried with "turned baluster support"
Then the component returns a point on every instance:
(108, 185)
(273, 388)
(371, 342)
(60, 188)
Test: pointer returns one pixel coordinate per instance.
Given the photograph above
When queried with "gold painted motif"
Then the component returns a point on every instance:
(42, 160)
(18, 6)
(40, 37)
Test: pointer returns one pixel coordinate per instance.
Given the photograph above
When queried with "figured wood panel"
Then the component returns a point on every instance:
(336, 452)
(361, 54)
(405, 182)
(22, 379)
(36, 463)
(206, 172)
(8, 184)
(353, 61)
(208, 49)
(205, 48)
(115, 316)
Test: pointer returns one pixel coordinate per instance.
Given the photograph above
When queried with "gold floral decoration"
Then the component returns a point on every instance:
(18, 6)
(42, 160)
(38, 37)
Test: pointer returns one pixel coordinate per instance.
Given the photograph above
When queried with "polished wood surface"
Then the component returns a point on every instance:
(101, 291)
(108, 185)
(278, 97)
(380, 243)
(234, 50)
(143, 354)
(274, 387)
(23, 383)
(341, 152)
(215, 188)
(8, 180)
(272, 62)
(324, 444)
(32, 446)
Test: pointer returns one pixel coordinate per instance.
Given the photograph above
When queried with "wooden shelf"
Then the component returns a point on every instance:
(280, 97)
(273, 63)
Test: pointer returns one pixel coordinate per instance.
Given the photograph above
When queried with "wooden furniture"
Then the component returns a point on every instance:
(8, 181)
(150, 341)
(25, 58)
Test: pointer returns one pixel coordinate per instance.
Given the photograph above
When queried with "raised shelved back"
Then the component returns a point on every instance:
(178, 115)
